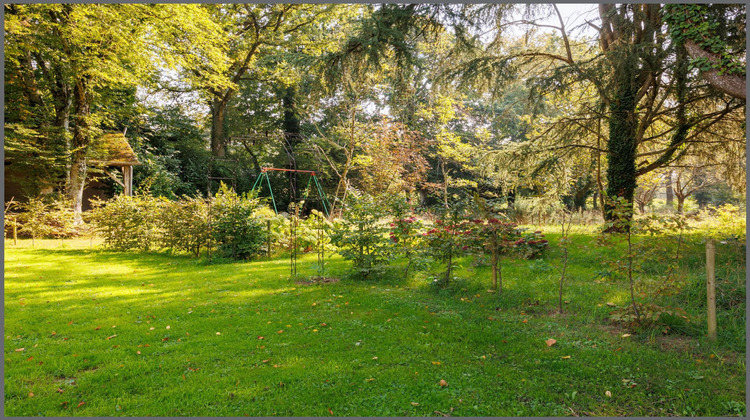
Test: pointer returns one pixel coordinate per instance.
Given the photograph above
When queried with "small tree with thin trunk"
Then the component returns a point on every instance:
(687, 181)
(565, 223)
(497, 238)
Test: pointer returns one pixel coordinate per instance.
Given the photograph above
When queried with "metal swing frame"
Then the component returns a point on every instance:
(264, 174)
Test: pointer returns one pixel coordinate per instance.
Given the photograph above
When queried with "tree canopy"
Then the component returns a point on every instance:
(432, 101)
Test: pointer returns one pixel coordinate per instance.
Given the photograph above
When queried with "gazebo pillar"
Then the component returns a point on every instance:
(127, 178)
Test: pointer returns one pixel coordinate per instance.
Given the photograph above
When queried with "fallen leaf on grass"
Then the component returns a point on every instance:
(375, 358)
(565, 357)
(31, 394)
(436, 363)
(608, 394)
(111, 337)
(218, 333)
(330, 411)
(168, 327)
(369, 379)
(415, 404)
(21, 349)
(443, 382)
(98, 328)
(60, 390)
(625, 335)
(81, 403)
(279, 331)
(551, 342)
(138, 352)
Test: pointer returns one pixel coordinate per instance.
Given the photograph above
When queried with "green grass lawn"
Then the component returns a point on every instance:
(97, 333)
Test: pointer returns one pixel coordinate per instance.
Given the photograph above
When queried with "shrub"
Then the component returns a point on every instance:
(405, 233)
(184, 224)
(127, 222)
(448, 239)
(361, 236)
(235, 228)
(32, 218)
(496, 238)
(531, 245)
(279, 228)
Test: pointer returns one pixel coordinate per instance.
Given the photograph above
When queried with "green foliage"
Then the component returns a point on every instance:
(144, 222)
(127, 222)
(531, 245)
(724, 223)
(361, 238)
(405, 233)
(694, 22)
(236, 230)
(184, 224)
(60, 219)
(33, 217)
(449, 238)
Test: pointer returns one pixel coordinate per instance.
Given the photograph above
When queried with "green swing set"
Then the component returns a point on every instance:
(264, 174)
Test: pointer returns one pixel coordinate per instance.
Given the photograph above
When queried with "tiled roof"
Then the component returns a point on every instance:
(112, 149)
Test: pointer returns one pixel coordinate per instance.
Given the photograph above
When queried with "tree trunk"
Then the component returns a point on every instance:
(670, 191)
(495, 258)
(680, 203)
(218, 142)
(621, 172)
(63, 103)
(292, 136)
(81, 140)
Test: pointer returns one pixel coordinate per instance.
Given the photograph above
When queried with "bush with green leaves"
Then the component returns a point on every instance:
(128, 222)
(32, 218)
(236, 230)
(44, 217)
(531, 245)
(278, 232)
(406, 233)
(495, 238)
(361, 236)
(183, 224)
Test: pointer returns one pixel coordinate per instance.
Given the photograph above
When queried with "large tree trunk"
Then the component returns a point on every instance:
(617, 41)
(621, 172)
(218, 142)
(81, 140)
(292, 136)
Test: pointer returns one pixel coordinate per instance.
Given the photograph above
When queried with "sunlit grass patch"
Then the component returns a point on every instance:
(95, 333)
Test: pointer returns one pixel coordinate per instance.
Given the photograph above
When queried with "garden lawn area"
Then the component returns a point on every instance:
(99, 333)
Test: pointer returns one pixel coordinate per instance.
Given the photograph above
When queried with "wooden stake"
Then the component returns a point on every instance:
(15, 232)
(268, 238)
(711, 287)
